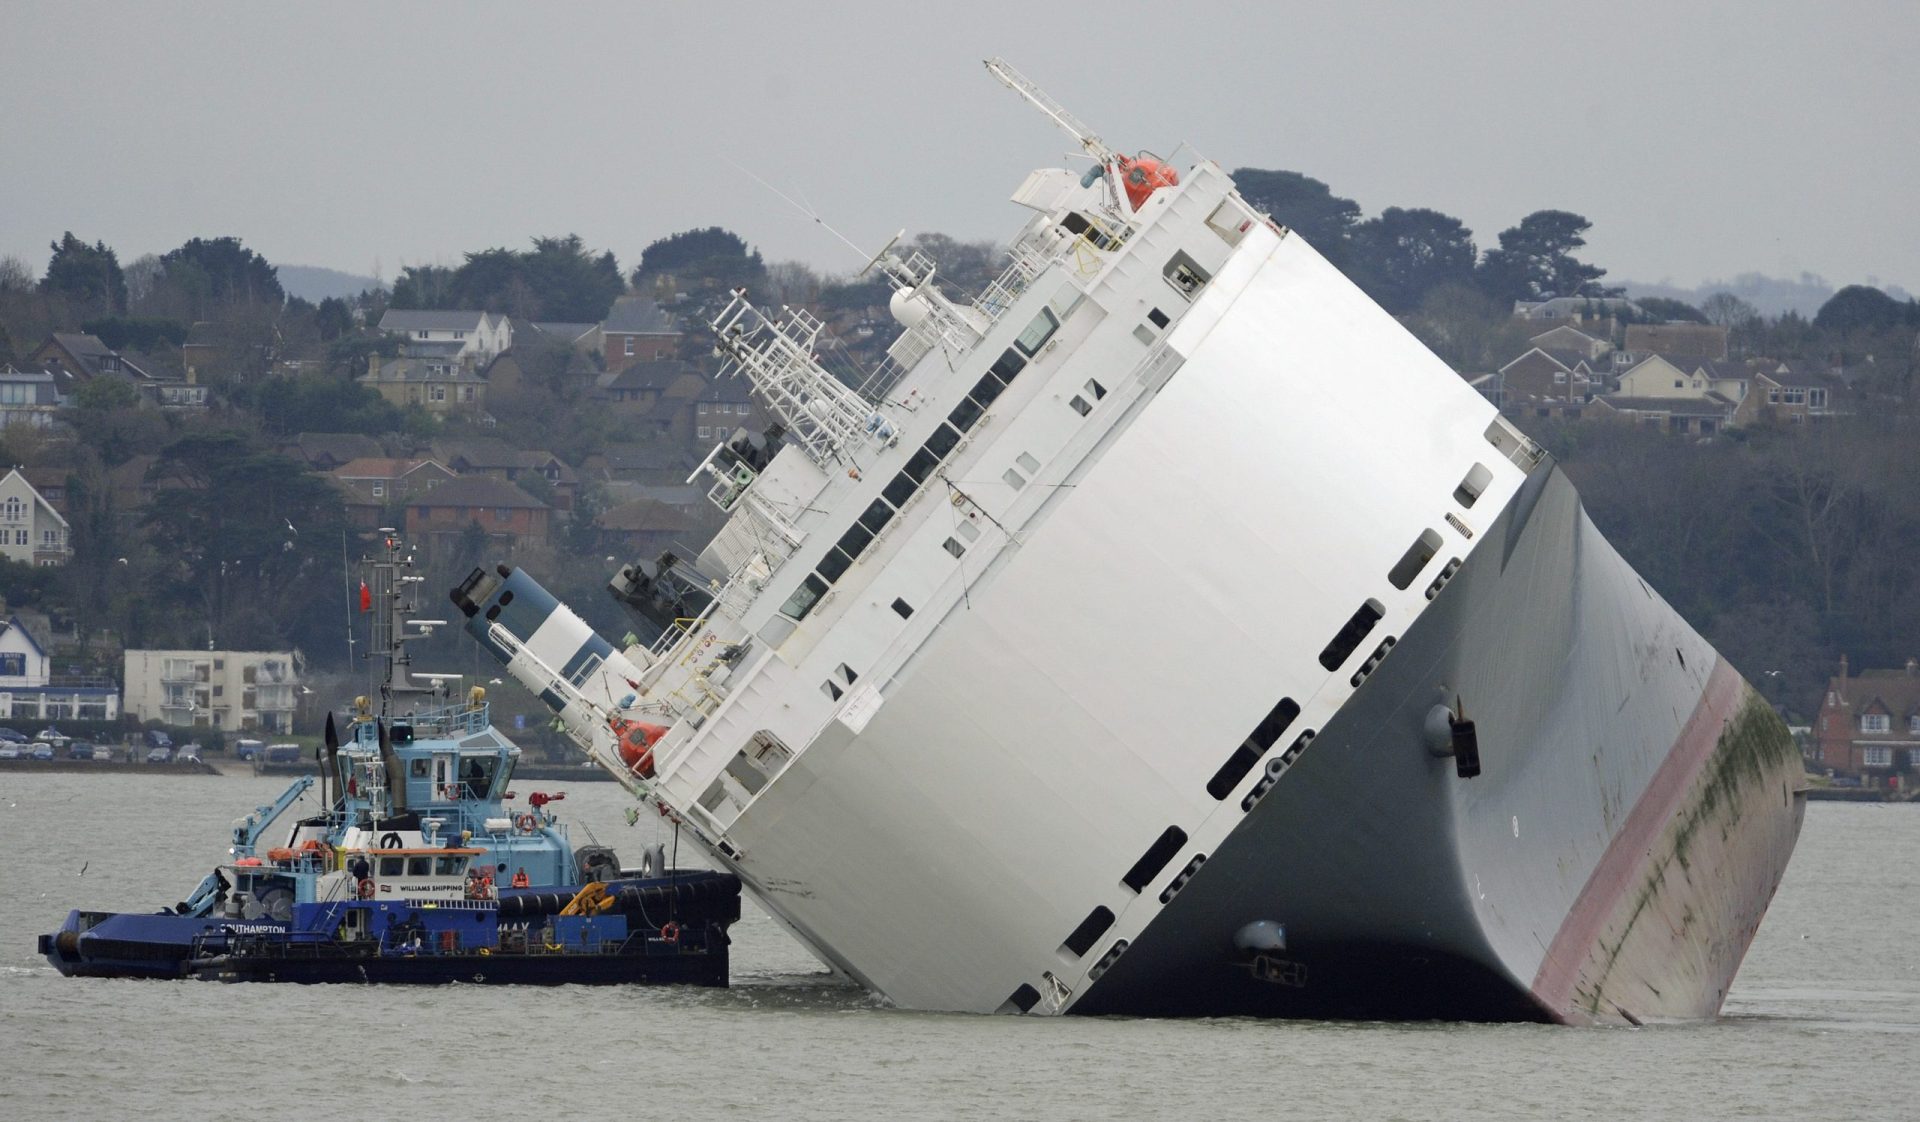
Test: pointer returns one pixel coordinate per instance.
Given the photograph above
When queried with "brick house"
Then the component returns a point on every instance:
(1551, 383)
(637, 330)
(724, 405)
(643, 527)
(503, 511)
(375, 486)
(1870, 722)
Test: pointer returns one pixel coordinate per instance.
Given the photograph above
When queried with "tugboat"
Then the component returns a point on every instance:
(415, 827)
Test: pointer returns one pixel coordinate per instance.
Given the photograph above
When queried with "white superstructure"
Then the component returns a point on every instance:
(1009, 643)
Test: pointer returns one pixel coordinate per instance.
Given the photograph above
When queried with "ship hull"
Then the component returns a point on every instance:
(1596, 871)
(693, 967)
(1171, 734)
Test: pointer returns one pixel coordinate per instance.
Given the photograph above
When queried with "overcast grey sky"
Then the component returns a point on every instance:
(1702, 139)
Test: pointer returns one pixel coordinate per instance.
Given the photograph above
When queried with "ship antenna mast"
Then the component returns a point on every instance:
(1019, 83)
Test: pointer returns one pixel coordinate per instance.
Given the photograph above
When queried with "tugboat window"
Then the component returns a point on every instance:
(419, 866)
(476, 776)
(392, 866)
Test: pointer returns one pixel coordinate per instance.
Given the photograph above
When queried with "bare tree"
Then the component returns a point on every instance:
(15, 275)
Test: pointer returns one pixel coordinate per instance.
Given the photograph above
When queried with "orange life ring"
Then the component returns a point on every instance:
(366, 888)
(527, 823)
(670, 932)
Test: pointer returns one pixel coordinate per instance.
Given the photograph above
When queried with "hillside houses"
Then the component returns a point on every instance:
(508, 516)
(469, 338)
(1672, 376)
(441, 386)
(74, 359)
(637, 330)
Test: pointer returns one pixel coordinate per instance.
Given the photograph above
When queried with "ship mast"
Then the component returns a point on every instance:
(390, 590)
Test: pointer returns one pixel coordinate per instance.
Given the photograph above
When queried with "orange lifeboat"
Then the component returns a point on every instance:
(1143, 175)
(637, 739)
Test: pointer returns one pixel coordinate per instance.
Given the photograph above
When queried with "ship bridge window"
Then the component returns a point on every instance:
(811, 589)
(1008, 366)
(900, 489)
(986, 390)
(922, 464)
(854, 542)
(1038, 332)
(419, 866)
(833, 565)
(943, 440)
(965, 414)
(876, 516)
(450, 865)
(476, 776)
(392, 866)
(1185, 275)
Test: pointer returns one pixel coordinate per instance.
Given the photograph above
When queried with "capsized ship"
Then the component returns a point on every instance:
(1164, 630)
(416, 837)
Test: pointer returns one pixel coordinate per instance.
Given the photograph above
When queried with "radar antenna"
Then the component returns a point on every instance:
(1019, 83)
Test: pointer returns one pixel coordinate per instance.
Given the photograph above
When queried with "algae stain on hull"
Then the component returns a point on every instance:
(1673, 942)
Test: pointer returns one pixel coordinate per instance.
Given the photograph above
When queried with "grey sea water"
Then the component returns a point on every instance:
(1823, 1023)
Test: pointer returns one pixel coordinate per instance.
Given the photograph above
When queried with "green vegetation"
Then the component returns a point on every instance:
(1786, 546)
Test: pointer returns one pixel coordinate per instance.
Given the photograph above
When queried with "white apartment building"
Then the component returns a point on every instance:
(239, 690)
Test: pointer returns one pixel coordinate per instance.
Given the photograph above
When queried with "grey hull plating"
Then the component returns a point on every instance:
(1637, 807)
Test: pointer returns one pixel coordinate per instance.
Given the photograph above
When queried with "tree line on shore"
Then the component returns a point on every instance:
(1788, 548)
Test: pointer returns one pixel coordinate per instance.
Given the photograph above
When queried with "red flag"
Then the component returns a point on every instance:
(366, 597)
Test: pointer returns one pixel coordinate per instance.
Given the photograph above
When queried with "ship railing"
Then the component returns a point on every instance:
(452, 720)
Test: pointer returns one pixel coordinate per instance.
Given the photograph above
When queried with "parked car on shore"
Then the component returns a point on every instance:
(14, 736)
(159, 755)
(189, 753)
(41, 750)
(248, 749)
(80, 750)
(11, 751)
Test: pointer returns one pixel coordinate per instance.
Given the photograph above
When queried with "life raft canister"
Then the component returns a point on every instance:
(637, 739)
(1142, 176)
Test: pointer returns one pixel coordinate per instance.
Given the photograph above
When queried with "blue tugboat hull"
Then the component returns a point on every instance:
(136, 945)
